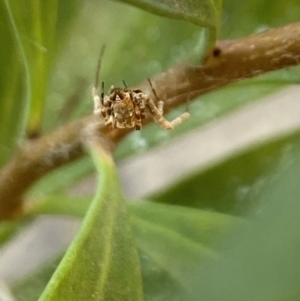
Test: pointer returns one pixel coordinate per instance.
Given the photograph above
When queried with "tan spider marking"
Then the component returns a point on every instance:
(125, 108)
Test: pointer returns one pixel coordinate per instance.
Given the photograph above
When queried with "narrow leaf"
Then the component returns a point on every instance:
(170, 238)
(102, 263)
(35, 25)
(199, 226)
(205, 13)
(11, 88)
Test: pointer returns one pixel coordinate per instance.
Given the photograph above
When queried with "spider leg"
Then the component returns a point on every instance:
(102, 93)
(96, 97)
(160, 103)
(161, 120)
(157, 112)
(180, 119)
(160, 106)
(138, 118)
(103, 99)
(99, 67)
(142, 110)
(97, 103)
(153, 90)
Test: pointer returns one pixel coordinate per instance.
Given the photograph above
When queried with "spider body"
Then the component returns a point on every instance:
(125, 108)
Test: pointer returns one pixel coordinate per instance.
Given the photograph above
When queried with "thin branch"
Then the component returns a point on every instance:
(228, 62)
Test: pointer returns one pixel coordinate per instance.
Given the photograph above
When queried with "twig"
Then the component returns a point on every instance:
(228, 62)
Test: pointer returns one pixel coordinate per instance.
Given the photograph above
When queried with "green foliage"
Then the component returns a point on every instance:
(227, 232)
(189, 234)
(259, 260)
(37, 31)
(11, 104)
(103, 253)
(205, 13)
(31, 34)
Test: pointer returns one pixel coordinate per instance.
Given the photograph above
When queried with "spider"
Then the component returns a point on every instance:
(125, 108)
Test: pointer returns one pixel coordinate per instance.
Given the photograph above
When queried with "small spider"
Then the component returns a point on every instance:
(125, 108)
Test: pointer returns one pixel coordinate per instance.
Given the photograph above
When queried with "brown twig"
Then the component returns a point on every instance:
(228, 62)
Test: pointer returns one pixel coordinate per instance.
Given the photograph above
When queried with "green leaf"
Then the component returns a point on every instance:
(59, 205)
(103, 253)
(238, 179)
(170, 238)
(35, 25)
(199, 226)
(260, 260)
(205, 13)
(33, 29)
(11, 88)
